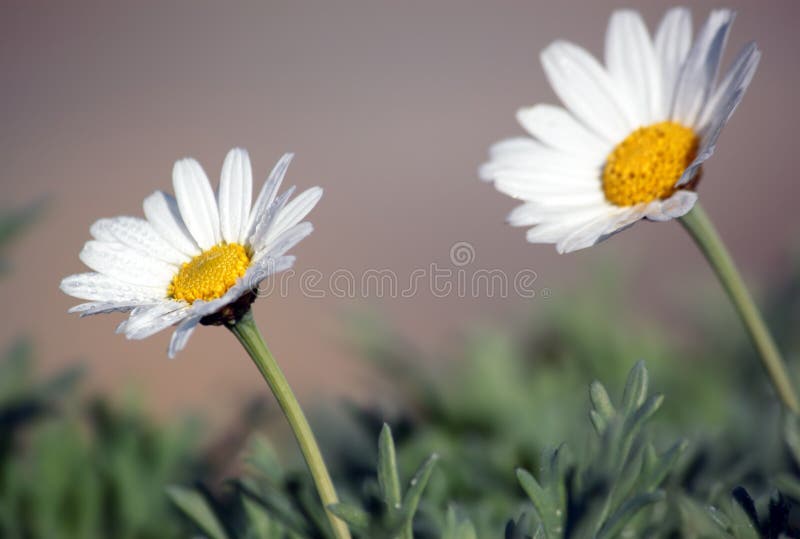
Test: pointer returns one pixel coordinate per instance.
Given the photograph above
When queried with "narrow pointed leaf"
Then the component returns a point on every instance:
(635, 388)
(416, 487)
(388, 478)
(617, 521)
(195, 506)
(601, 401)
(542, 502)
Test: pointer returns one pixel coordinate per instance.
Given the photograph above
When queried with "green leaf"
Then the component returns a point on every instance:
(355, 517)
(601, 401)
(388, 478)
(277, 505)
(664, 465)
(635, 388)
(627, 478)
(698, 520)
(549, 514)
(791, 433)
(260, 525)
(622, 516)
(635, 421)
(740, 524)
(195, 506)
(554, 478)
(263, 460)
(598, 421)
(788, 484)
(416, 487)
(457, 526)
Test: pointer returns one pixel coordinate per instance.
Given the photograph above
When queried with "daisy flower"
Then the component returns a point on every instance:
(196, 257)
(632, 135)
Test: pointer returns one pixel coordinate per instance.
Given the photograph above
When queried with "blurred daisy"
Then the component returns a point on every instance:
(196, 257)
(631, 139)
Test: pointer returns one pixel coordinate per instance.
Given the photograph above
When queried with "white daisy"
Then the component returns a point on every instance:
(196, 257)
(631, 139)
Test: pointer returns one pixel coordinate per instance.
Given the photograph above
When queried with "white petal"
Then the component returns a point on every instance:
(162, 212)
(99, 287)
(587, 90)
(512, 146)
(524, 215)
(235, 196)
(558, 129)
(181, 336)
(529, 153)
(268, 217)
(294, 212)
(266, 266)
(196, 202)
(722, 106)
(126, 265)
(675, 206)
(268, 192)
(556, 171)
(672, 42)
(700, 69)
(631, 62)
(282, 243)
(529, 185)
(137, 234)
(533, 213)
(730, 91)
(148, 322)
(599, 229)
(260, 269)
(558, 229)
(101, 307)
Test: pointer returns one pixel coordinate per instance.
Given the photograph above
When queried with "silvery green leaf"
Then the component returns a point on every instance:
(599, 421)
(457, 526)
(664, 465)
(417, 485)
(548, 512)
(635, 388)
(388, 478)
(601, 401)
(260, 525)
(195, 506)
(612, 527)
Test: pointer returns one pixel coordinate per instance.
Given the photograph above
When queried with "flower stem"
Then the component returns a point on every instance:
(699, 226)
(250, 337)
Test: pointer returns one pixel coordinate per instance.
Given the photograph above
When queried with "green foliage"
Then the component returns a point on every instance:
(601, 496)
(391, 513)
(76, 469)
(69, 470)
(269, 504)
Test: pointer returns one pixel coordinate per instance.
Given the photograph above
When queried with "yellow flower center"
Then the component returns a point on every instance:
(210, 274)
(648, 163)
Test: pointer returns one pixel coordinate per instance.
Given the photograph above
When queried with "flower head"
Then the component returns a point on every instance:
(196, 257)
(633, 134)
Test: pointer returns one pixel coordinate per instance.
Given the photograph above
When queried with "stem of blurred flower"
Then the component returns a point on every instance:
(699, 226)
(248, 334)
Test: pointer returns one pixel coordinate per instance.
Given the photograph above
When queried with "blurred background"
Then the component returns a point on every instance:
(390, 106)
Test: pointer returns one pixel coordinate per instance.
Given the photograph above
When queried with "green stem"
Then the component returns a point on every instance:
(248, 334)
(699, 226)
